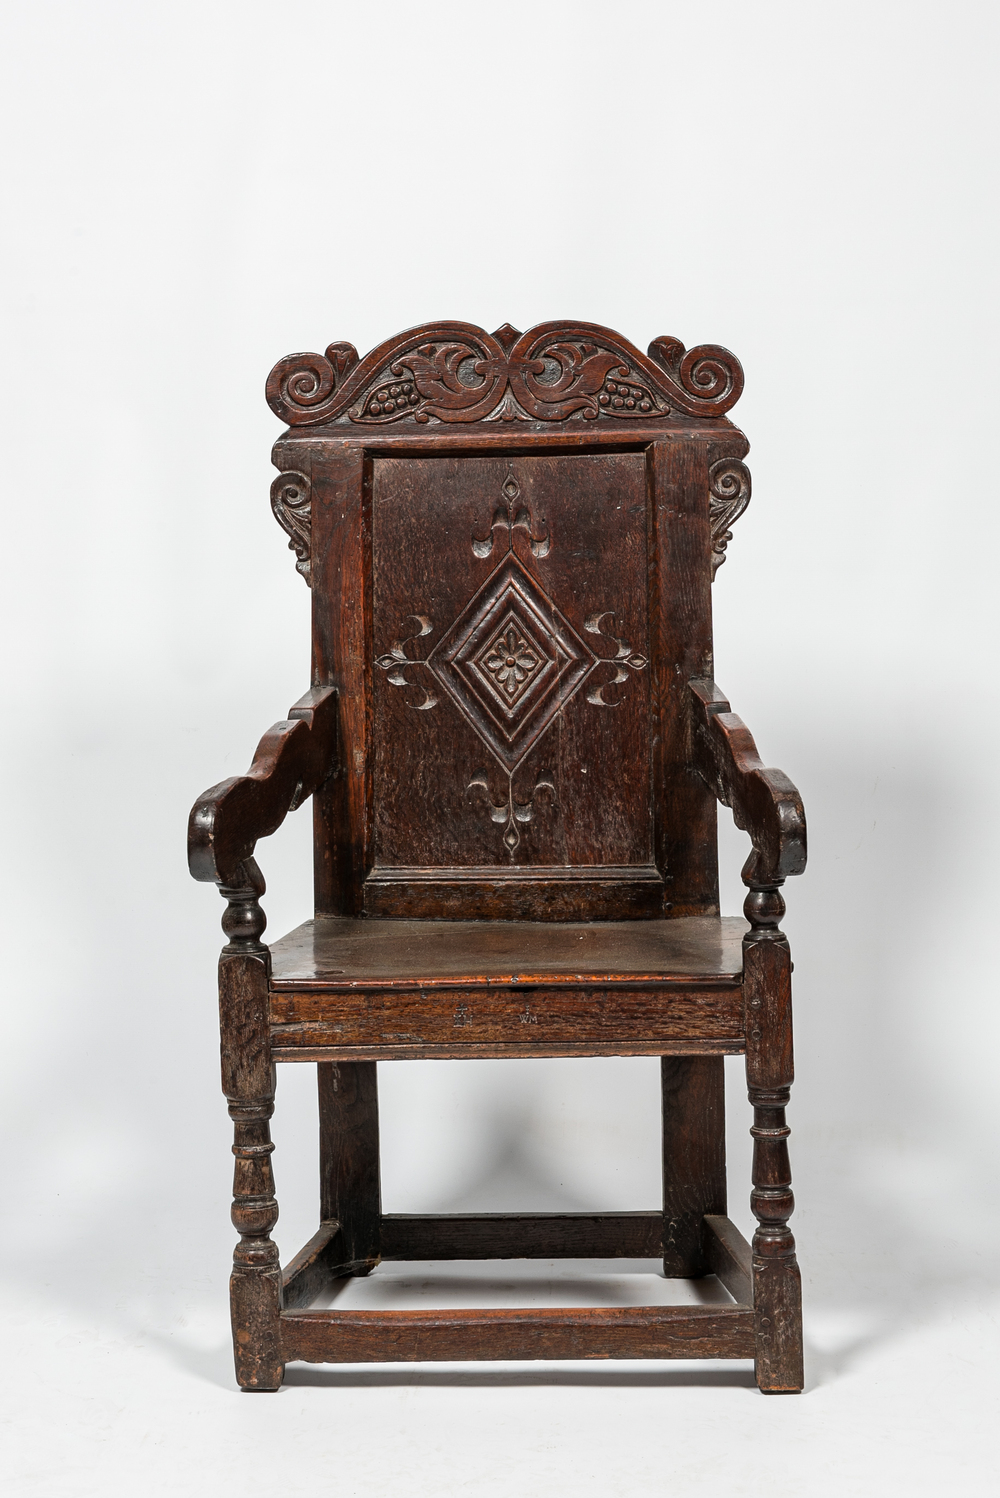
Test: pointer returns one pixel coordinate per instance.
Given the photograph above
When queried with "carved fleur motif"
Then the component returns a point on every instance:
(511, 812)
(510, 520)
(625, 656)
(396, 660)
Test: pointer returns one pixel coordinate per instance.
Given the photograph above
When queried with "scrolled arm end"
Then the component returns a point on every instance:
(293, 759)
(764, 801)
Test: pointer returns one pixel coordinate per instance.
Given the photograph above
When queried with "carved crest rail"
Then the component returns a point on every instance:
(456, 372)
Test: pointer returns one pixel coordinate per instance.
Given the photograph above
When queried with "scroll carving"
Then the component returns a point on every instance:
(455, 372)
(729, 495)
(291, 501)
(309, 383)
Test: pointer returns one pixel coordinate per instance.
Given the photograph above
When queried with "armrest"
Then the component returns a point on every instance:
(765, 803)
(293, 759)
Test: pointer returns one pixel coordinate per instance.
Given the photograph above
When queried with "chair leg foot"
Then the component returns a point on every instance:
(777, 1325)
(255, 1301)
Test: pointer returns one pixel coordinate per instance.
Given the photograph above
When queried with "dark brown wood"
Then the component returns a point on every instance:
(512, 700)
(341, 573)
(418, 375)
(729, 1257)
(502, 1335)
(515, 750)
(777, 1286)
(350, 1189)
(681, 584)
(331, 955)
(765, 803)
(462, 988)
(292, 760)
(694, 1158)
(498, 1051)
(598, 518)
(537, 1235)
(311, 1271)
(552, 895)
(464, 1021)
(248, 1083)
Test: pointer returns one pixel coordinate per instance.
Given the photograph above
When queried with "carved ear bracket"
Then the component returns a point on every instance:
(729, 495)
(291, 501)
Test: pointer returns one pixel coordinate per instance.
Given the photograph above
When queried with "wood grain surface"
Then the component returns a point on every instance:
(339, 954)
(492, 1335)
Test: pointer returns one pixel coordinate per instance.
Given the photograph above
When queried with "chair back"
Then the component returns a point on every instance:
(510, 540)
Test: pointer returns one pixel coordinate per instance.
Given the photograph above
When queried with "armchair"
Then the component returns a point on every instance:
(514, 755)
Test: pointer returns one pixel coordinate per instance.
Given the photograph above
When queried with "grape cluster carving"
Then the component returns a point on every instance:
(392, 398)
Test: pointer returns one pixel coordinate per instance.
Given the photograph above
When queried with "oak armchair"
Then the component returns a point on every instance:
(514, 750)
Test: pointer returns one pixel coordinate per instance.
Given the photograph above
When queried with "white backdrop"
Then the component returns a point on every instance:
(194, 190)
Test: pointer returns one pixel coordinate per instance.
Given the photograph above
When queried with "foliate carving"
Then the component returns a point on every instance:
(456, 372)
(291, 501)
(729, 495)
(511, 661)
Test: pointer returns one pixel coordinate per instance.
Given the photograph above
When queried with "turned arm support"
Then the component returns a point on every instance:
(765, 803)
(293, 759)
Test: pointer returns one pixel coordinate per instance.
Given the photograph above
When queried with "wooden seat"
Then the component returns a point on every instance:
(369, 990)
(515, 751)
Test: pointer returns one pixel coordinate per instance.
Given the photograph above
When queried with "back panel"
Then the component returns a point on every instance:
(512, 700)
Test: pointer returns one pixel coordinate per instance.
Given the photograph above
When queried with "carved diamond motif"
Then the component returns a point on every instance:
(510, 662)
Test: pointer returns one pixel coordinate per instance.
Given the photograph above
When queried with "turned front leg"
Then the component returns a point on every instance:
(777, 1288)
(255, 1283)
(248, 1082)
